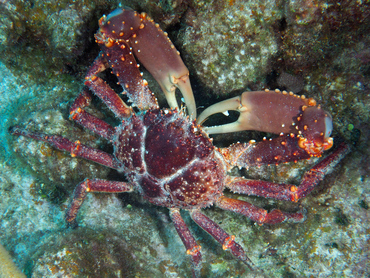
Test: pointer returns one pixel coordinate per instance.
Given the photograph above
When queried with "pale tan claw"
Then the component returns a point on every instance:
(234, 103)
(134, 33)
(170, 82)
(277, 112)
(160, 57)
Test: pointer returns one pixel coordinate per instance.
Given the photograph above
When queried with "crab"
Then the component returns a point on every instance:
(167, 155)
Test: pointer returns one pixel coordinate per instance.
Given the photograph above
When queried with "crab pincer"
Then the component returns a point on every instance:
(124, 34)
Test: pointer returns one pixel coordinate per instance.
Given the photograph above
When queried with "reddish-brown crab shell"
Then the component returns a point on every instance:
(168, 157)
(186, 172)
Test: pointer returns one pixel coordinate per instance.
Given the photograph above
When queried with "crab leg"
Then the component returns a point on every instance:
(118, 55)
(109, 97)
(95, 185)
(287, 191)
(125, 31)
(79, 115)
(277, 112)
(192, 248)
(103, 91)
(75, 148)
(257, 214)
(273, 151)
(221, 236)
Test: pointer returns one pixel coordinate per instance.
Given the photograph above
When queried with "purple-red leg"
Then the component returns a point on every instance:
(79, 115)
(221, 236)
(289, 192)
(118, 54)
(109, 97)
(75, 148)
(257, 214)
(106, 94)
(281, 149)
(95, 185)
(192, 248)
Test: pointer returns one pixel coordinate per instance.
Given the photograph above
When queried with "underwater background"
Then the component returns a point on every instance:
(317, 48)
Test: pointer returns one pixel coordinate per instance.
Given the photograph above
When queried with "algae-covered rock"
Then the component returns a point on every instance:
(343, 89)
(41, 37)
(58, 173)
(229, 45)
(84, 253)
(47, 38)
(315, 32)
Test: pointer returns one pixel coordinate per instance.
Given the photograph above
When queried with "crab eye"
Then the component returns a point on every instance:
(116, 12)
(328, 126)
(120, 24)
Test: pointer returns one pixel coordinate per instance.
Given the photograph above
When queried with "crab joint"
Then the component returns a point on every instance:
(73, 114)
(88, 184)
(194, 251)
(261, 218)
(76, 148)
(228, 242)
(294, 197)
(109, 42)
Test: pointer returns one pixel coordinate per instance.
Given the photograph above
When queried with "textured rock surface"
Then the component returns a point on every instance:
(343, 87)
(58, 173)
(59, 34)
(229, 45)
(316, 31)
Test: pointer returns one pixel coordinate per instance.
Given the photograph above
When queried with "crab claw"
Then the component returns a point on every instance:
(315, 126)
(153, 49)
(160, 57)
(277, 112)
